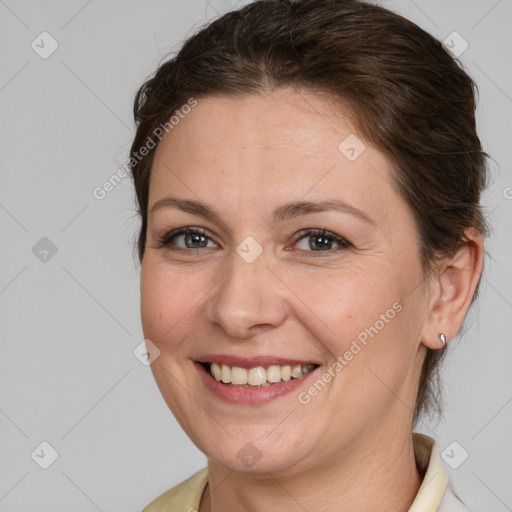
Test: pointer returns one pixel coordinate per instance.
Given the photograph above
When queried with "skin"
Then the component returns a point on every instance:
(247, 156)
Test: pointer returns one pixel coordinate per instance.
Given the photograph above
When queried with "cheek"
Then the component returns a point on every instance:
(168, 300)
(365, 328)
(342, 305)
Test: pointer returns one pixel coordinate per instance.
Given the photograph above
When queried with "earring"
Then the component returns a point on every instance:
(442, 337)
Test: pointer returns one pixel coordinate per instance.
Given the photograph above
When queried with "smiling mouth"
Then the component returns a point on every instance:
(257, 377)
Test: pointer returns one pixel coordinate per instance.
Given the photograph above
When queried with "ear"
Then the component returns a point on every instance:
(452, 290)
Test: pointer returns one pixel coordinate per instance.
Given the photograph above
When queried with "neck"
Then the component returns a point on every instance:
(378, 472)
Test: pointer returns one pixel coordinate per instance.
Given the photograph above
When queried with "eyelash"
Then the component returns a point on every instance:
(166, 241)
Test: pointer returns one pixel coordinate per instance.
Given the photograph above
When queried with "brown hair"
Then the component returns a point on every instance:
(406, 94)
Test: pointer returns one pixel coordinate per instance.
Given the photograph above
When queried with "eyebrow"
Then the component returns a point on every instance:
(284, 212)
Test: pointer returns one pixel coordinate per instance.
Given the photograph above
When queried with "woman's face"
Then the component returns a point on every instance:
(256, 291)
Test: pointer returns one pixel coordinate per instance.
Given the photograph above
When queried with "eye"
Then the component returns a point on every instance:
(320, 241)
(193, 238)
(197, 238)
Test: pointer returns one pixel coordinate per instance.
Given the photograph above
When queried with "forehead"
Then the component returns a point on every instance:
(259, 150)
(283, 122)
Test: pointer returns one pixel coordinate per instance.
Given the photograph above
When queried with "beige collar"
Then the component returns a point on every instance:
(435, 480)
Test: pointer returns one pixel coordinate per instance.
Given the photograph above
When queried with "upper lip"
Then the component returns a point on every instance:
(251, 362)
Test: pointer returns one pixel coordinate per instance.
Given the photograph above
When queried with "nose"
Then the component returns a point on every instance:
(249, 298)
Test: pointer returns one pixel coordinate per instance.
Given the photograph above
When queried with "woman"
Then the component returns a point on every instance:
(311, 241)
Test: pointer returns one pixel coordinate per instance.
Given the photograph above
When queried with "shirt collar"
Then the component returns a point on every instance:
(435, 478)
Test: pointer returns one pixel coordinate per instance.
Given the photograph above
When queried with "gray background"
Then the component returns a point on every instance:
(70, 323)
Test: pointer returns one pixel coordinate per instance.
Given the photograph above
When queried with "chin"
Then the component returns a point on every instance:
(250, 459)
(253, 450)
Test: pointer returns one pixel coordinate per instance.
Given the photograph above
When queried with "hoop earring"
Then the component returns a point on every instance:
(442, 337)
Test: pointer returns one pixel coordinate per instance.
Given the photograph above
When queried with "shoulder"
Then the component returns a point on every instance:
(184, 496)
(451, 502)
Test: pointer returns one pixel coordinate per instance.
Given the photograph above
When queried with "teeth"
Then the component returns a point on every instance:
(258, 376)
(274, 373)
(297, 371)
(286, 372)
(226, 374)
(216, 371)
(238, 375)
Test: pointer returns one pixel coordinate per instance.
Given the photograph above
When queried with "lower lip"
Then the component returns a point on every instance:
(250, 396)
